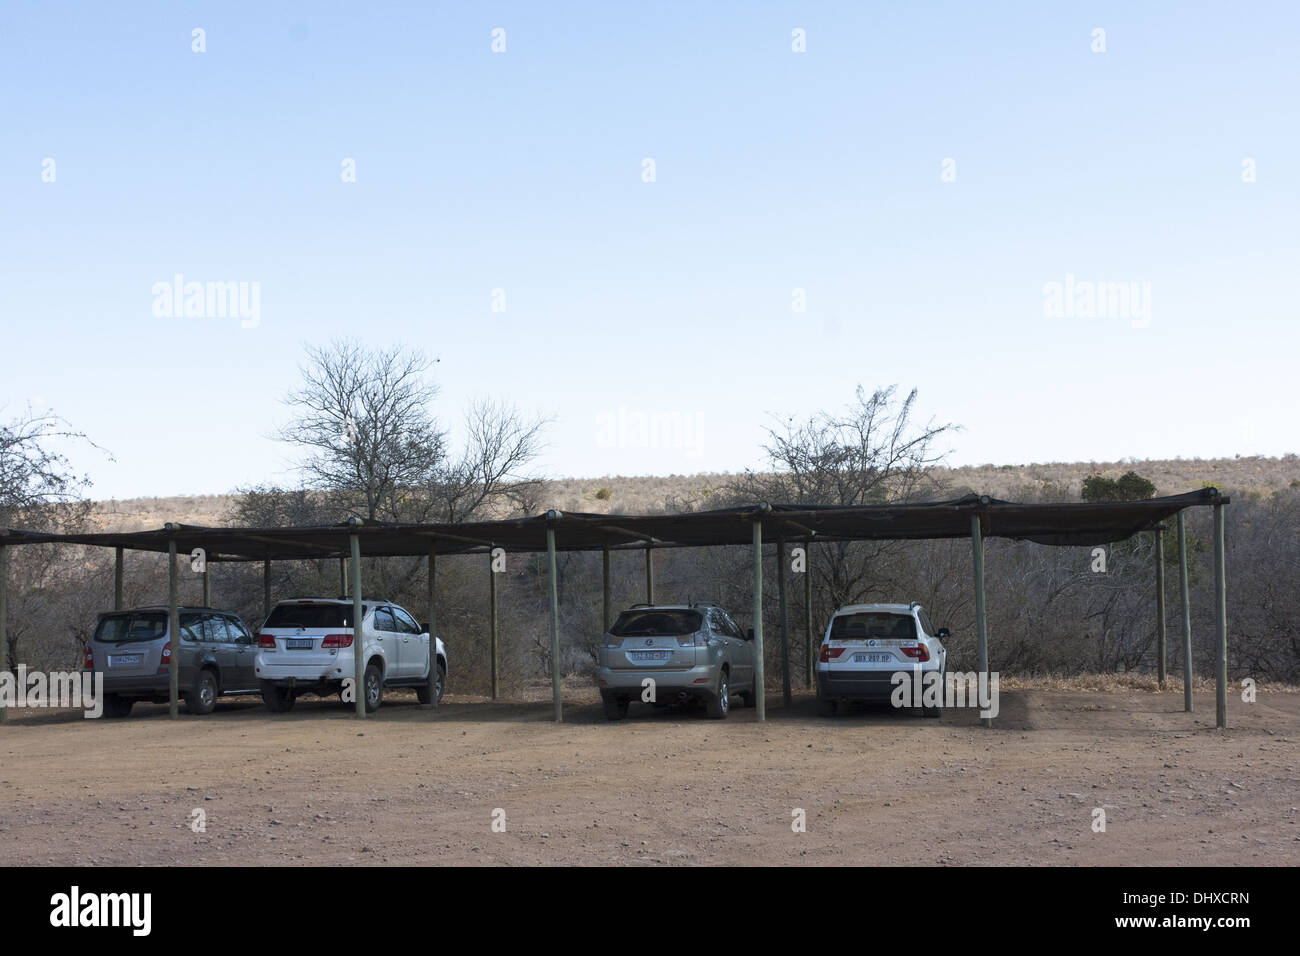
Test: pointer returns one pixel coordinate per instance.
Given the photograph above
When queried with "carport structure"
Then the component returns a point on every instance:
(974, 516)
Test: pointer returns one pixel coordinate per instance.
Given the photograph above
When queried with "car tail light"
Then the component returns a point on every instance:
(698, 639)
(266, 641)
(166, 658)
(830, 653)
(88, 662)
(920, 652)
(337, 640)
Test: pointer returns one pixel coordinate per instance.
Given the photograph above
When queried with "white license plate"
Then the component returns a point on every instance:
(651, 655)
(872, 658)
(125, 660)
(299, 644)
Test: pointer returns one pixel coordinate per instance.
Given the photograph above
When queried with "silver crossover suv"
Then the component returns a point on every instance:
(135, 653)
(663, 653)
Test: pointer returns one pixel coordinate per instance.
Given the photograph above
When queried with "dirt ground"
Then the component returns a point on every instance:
(410, 786)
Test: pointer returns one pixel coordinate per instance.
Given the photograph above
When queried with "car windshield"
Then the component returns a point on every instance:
(121, 628)
(879, 625)
(310, 615)
(645, 623)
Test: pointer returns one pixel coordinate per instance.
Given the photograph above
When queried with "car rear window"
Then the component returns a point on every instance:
(879, 625)
(120, 628)
(310, 615)
(646, 623)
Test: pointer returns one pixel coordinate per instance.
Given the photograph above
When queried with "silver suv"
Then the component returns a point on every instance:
(663, 653)
(134, 652)
(306, 646)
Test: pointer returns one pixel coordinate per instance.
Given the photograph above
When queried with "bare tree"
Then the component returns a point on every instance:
(499, 445)
(39, 490)
(870, 453)
(364, 417)
(38, 486)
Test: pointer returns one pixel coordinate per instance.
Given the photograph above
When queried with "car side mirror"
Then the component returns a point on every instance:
(943, 634)
(749, 633)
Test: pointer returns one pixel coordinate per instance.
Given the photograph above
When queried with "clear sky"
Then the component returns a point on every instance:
(774, 171)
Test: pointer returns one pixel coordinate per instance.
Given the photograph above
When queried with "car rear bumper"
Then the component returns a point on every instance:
(702, 680)
(873, 686)
(139, 685)
(334, 670)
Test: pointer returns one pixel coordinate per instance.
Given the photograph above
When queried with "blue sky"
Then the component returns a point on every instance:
(774, 171)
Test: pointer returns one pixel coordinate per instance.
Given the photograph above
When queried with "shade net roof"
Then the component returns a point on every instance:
(1066, 523)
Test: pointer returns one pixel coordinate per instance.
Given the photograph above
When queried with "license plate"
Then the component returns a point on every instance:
(651, 655)
(299, 644)
(872, 658)
(125, 660)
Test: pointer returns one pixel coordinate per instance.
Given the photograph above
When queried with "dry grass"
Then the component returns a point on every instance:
(1120, 683)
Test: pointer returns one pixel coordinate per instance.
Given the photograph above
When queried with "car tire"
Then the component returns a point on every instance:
(937, 712)
(422, 692)
(116, 705)
(748, 698)
(615, 707)
(719, 703)
(278, 700)
(202, 699)
(826, 707)
(373, 688)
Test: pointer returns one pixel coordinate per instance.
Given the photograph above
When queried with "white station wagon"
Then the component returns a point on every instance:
(867, 644)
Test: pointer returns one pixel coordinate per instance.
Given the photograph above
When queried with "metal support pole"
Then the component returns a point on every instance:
(492, 622)
(1160, 606)
(266, 589)
(358, 630)
(4, 626)
(431, 623)
(981, 616)
(807, 617)
(173, 632)
(1187, 613)
(343, 577)
(117, 578)
(207, 586)
(649, 575)
(1221, 623)
(605, 578)
(759, 704)
(785, 623)
(555, 625)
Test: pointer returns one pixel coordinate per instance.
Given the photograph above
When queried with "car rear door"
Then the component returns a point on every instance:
(389, 639)
(241, 676)
(742, 652)
(220, 646)
(415, 645)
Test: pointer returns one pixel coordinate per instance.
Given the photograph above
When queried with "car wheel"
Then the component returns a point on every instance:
(826, 707)
(719, 705)
(748, 698)
(422, 692)
(374, 688)
(615, 707)
(277, 699)
(937, 712)
(203, 698)
(117, 706)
